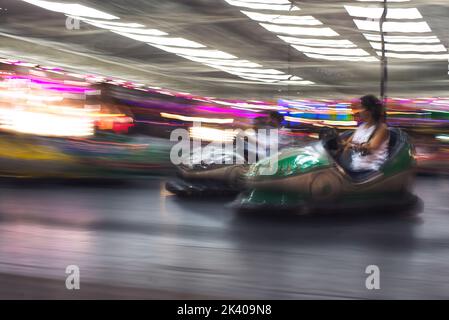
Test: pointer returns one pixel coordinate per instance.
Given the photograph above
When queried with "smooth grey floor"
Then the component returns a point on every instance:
(135, 240)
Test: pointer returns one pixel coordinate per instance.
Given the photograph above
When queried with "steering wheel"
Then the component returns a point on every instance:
(331, 140)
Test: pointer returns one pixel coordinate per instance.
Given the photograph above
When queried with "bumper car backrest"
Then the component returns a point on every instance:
(397, 140)
(346, 134)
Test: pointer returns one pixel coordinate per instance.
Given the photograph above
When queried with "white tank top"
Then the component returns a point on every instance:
(373, 160)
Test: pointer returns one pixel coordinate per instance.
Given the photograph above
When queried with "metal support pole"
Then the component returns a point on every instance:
(384, 62)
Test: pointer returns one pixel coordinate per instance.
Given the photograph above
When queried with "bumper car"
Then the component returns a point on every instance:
(108, 156)
(210, 175)
(116, 156)
(314, 178)
(207, 172)
(432, 160)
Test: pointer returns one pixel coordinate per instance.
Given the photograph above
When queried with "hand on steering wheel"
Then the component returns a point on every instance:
(359, 147)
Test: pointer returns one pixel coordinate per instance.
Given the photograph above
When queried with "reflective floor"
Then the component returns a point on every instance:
(134, 240)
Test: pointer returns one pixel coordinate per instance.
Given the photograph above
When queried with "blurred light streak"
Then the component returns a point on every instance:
(340, 58)
(376, 13)
(128, 30)
(332, 51)
(383, 0)
(410, 47)
(442, 137)
(288, 24)
(265, 5)
(319, 42)
(320, 122)
(282, 19)
(195, 119)
(212, 134)
(112, 23)
(300, 31)
(415, 56)
(72, 8)
(403, 39)
(179, 46)
(178, 42)
(404, 27)
(46, 124)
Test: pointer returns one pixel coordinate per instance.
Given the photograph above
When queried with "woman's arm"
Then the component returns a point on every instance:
(348, 142)
(376, 141)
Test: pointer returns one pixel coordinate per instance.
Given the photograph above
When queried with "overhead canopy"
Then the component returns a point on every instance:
(238, 48)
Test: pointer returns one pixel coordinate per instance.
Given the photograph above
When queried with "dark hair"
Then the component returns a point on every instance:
(259, 121)
(276, 116)
(374, 106)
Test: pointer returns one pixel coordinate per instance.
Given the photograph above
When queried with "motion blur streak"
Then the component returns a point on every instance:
(133, 240)
(45, 124)
(92, 92)
(195, 119)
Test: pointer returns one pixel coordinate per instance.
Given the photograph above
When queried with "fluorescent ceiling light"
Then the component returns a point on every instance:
(403, 39)
(252, 70)
(409, 47)
(333, 51)
(295, 78)
(325, 32)
(268, 1)
(263, 6)
(218, 62)
(182, 47)
(282, 19)
(271, 81)
(319, 42)
(376, 13)
(246, 72)
(295, 82)
(280, 82)
(261, 76)
(205, 53)
(151, 32)
(72, 9)
(108, 23)
(393, 26)
(334, 47)
(383, 0)
(415, 56)
(340, 58)
(179, 42)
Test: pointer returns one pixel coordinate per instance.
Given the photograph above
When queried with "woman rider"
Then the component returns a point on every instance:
(369, 143)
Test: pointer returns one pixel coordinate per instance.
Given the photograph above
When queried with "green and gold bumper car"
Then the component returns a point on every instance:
(314, 178)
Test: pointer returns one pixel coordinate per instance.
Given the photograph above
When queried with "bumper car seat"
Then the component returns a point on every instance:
(395, 142)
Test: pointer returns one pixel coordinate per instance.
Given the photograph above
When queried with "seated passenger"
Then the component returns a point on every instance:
(270, 143)
(284, 138)
(368, 145)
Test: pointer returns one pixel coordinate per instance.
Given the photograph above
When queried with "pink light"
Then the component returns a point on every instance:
(234, 112)
(50, 84)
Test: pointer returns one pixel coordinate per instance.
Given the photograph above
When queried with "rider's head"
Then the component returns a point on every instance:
(372, 109)
(259, 122)
(275, 119)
